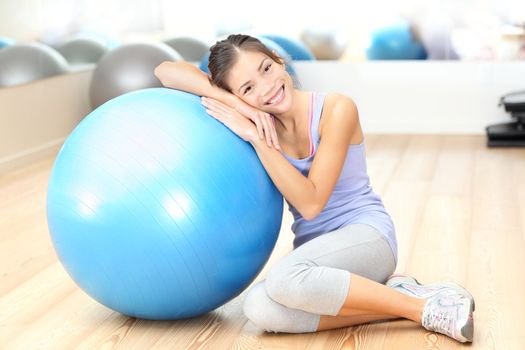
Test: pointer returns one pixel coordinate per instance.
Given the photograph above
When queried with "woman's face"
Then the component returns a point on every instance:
(261, 82)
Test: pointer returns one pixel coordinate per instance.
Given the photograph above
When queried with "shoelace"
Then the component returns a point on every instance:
(442, 321)
(423, 291)
(419, 289)
(442, 315)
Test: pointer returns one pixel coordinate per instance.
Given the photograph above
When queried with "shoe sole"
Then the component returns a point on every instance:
(452, 285)
(467, 331)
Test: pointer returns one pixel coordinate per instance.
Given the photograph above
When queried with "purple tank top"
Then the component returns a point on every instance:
(352, 200)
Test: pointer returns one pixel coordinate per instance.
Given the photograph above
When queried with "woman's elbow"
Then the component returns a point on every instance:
(159, 71)
(311, 212)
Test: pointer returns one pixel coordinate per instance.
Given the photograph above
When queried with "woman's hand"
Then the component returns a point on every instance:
(240, 123)
(228, 116)
(264, 121)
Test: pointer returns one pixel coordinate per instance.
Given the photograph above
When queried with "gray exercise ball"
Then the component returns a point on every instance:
(127, 68)
(326, 43)
(24, 63)
(190, 49)
(82, 51)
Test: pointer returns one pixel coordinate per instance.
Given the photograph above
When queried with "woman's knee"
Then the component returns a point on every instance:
(387, 267)
(283, 282)
(271, 316)
(256, 307)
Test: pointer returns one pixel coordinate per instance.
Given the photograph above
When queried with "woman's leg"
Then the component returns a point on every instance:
(316, 276)
(271, 316)
(333, 322)
(384, 305)
(314, 280)
(377, 297)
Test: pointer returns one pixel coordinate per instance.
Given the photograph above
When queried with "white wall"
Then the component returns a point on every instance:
(419, 96)
(35, 118)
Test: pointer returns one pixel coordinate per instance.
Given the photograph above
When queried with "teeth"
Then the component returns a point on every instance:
(276, 98)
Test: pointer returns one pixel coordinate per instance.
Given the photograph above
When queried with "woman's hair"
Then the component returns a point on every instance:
(224, 53)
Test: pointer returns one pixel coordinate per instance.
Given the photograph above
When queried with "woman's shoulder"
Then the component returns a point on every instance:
(336, 99)
(340, 113)
(337, 105)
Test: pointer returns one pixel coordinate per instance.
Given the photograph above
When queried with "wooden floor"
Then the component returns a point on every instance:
(459, 211)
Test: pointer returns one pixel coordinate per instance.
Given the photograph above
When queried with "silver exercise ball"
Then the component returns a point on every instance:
(127, 68)
(190, 49)
(326, 43)
(82, 51)
(24, 63)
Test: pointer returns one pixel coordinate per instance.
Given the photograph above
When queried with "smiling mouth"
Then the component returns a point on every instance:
(278, 97)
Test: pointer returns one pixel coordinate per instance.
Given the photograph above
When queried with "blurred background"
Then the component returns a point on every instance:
(461, 29)
(411, 66)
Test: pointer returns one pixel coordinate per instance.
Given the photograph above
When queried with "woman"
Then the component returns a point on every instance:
(312, 146)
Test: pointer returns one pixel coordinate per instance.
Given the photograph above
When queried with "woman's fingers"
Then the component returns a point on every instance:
(264, 122)
(217, 105)
(267, 131)
(212, 113)
(258, 123)
(257, 118)
(216, 115)
(274, 133)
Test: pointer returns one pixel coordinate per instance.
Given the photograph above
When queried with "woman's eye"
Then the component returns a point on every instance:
(267, 67)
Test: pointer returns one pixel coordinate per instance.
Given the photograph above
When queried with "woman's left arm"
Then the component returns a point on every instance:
(309, 195)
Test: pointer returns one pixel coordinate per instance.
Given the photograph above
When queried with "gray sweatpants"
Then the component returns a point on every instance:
(314, 279)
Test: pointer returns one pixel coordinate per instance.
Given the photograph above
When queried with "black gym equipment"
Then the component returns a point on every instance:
(509, 134)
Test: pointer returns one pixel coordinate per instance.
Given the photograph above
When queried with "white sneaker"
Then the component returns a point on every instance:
(449, 314)
(410, 286)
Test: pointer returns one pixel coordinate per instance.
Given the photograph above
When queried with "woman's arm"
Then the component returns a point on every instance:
(309, 195)
(185, 76)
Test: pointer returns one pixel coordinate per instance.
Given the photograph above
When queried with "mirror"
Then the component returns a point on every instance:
(83, 30)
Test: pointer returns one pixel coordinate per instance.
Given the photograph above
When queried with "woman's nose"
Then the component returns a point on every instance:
(267, 89)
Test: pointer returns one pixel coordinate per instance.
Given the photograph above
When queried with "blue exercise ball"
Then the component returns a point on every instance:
(297, 50)
(203, 66)
(395, 42)
(6, 42)
(159, 211)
